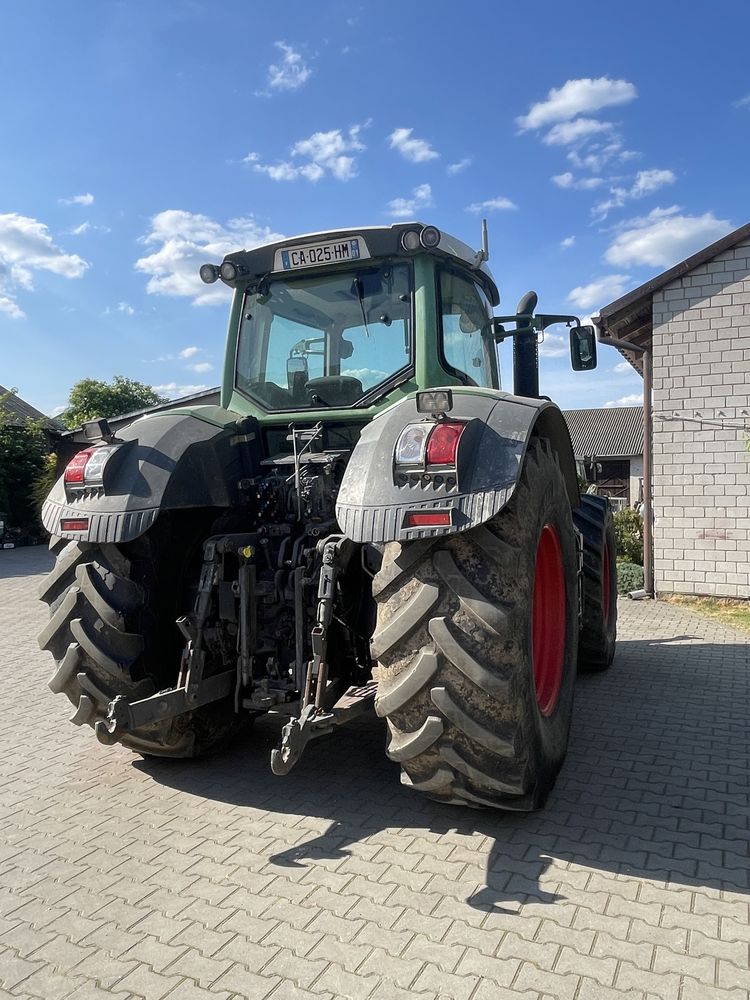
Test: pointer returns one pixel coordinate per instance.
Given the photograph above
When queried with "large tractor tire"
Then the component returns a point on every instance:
(112, 632)
(476, 640)
(596, 642)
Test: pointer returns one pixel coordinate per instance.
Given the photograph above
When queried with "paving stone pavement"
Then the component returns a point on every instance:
(126, 878)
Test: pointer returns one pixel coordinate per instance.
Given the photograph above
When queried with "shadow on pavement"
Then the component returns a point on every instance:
(26, 560)
(654, 787)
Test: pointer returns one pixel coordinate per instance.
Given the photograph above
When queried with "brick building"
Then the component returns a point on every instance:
(695, 320)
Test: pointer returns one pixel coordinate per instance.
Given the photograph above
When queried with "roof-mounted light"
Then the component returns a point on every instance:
(228, 271)
(410, 240)
(209, 273)
(429, 237)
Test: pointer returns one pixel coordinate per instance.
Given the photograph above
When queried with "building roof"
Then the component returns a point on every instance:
(18, 412)
(607, 432)
(631, 316)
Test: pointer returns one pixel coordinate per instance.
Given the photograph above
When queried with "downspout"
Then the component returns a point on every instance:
(648, 526)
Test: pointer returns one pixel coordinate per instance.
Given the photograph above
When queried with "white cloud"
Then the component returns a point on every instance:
(290, 73)
(202, 366)
(185, 240)
(172, 390)
(125, 308)
(413, 150)
(744, 102)
(633, 399)
(569, 182)
(623, 368)
(600, 292)
(598, 155)
(554, 345)
(404, 208)
(80, 230)
(459, 165)
(78, 199)
(11, 307)
(663, 237)
(498, 204)
(577, 97)
(567, 242)
(323, 152)
(646, 182)
(569, 133)
(26, 246)
(189, 352)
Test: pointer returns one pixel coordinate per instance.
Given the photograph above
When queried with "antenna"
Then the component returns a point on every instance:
(484, 253)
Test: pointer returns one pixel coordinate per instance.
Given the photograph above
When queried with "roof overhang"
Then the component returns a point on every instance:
(631, 316)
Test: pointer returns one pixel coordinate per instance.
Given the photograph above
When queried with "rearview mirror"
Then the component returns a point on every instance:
(583, 348)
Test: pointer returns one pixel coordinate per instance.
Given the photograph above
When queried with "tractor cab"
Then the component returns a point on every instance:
(348, 320)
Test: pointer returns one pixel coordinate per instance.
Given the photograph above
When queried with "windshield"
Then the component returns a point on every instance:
(325, 340)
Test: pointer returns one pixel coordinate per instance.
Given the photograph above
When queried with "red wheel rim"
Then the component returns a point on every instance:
(606, 594)
(548, 620)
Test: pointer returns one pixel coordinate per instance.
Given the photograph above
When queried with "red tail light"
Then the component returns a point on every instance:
(76, 467)
(443, 443)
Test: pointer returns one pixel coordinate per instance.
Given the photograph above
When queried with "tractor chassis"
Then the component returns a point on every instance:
(318, 713)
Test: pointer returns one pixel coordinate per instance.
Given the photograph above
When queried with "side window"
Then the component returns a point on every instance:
(466, 322)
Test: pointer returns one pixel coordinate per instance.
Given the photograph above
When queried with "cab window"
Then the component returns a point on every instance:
(467, 339)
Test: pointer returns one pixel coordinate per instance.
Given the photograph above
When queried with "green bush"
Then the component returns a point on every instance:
(23, 458)
(629, 536)
(629, 577)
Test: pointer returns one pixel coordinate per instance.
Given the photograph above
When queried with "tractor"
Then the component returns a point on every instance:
(366, 521)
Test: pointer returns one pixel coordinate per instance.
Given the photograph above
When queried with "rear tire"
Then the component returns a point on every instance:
(475, 676)
(112, 632)
(596, 643)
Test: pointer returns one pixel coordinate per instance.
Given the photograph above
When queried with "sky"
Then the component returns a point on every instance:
(603, 143)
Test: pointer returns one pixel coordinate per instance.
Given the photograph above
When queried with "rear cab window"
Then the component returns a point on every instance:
(466, 336)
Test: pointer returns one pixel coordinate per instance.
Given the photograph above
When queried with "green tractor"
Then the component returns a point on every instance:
(367, 519)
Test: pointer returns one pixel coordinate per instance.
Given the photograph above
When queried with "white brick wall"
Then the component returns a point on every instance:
(701, 346)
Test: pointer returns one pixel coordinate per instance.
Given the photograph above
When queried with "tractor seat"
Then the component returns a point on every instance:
(335, 390)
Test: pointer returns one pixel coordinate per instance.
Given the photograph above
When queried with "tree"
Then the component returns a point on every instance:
(90, 399)
(23, 460)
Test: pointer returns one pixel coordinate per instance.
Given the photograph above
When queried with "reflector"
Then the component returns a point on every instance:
(428, 519)
(74, 524)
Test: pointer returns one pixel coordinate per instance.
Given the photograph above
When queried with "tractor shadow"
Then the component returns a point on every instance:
(654, 786)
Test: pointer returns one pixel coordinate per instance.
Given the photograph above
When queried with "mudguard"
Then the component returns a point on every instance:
(172, 460)
(375, 498)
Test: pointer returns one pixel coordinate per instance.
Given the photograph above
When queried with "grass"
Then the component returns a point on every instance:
(721, 609)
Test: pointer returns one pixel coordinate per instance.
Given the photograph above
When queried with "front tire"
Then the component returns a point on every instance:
(477, 640)
(596, 644)
(112, 632)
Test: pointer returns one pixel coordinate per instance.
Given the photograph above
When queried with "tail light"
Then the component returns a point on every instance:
(76, 468)
(421, 446)
(86, 469)
(442, 444)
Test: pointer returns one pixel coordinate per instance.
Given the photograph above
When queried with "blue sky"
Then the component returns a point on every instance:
(602, 142)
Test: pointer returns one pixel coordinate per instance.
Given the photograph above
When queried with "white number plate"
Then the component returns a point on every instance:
(315, 254)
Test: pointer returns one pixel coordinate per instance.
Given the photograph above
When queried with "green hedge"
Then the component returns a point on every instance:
(629, 577)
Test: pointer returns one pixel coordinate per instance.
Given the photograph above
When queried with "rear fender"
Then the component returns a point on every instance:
(170, 461)
(375, 499)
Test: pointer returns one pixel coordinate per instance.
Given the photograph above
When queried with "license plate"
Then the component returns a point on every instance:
(315, 254)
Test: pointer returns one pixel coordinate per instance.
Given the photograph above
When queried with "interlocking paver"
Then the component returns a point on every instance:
(127, 878)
